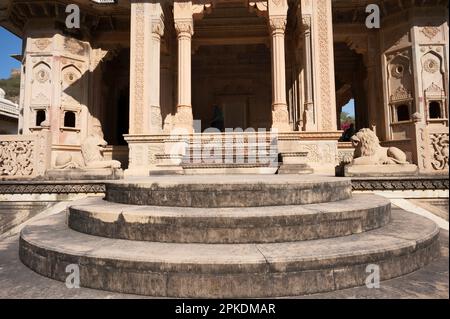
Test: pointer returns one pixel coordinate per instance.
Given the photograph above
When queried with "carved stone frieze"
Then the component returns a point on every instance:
(439, 145)
(400, 184)
(430, 32)
(16, 158)
(42, 44)
(51, 188)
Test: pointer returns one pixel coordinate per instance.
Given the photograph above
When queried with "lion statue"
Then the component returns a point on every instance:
(92, 148)
(368, 150)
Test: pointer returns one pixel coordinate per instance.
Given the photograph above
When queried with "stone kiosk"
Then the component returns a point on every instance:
(152, 72)
(250, 91)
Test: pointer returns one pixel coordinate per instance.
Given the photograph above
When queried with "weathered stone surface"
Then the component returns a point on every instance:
(229, 225)
(15, 213)
(300, 169)
(84, 174)
(20, 282)
(215, 270)
(380, 170)
(229, 191)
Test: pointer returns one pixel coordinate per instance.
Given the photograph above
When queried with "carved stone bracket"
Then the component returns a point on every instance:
(260, 7)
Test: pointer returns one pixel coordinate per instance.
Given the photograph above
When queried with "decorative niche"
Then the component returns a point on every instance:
(400, 85)
(435, 102)
(401, 106)
(71, 98)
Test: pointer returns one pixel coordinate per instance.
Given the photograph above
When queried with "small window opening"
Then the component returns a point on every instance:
(69, 119)
(434, 110)
(402, 113)
(40, 117)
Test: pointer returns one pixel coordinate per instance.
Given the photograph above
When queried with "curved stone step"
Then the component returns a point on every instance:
(229, 191)
(230, 225)
(236, 270)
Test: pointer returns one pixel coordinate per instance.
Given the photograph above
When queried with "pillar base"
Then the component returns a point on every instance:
(183, 121)
(280, 118)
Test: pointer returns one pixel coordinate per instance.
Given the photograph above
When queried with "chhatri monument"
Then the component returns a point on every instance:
(140, 69)
(201, 139)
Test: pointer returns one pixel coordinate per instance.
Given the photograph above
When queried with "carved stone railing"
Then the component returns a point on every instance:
(24, 156)
(10, 110)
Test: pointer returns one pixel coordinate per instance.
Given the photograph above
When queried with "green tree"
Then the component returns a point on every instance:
(11, 87)
(345, 117)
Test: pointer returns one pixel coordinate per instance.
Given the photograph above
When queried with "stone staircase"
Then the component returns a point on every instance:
(230, 236)
(231, 153)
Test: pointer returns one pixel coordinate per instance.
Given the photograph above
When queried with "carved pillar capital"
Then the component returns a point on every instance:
(184, 27)
(157, 28)
(305, 23)
(277, 25)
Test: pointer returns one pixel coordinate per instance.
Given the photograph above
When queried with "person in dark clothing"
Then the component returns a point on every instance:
(347, 135)
(218, 120)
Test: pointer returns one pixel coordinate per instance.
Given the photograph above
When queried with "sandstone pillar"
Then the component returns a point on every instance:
(323, 62)
(167, 96)
(277, 11)
(184, 13)
(146, 30)
(308, 116)
(157, 31)
(184, 118)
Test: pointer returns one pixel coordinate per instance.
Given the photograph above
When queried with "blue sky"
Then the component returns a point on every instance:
(349, 108)
(9, 44)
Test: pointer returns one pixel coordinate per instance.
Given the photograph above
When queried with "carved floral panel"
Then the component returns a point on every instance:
(16, 158)
(439, 148)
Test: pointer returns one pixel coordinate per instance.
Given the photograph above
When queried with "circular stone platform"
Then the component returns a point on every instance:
(229, 237)
(229, 191)
(230, 225)
(229, 271)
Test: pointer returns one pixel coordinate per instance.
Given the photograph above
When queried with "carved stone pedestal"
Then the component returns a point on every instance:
(380, 170)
